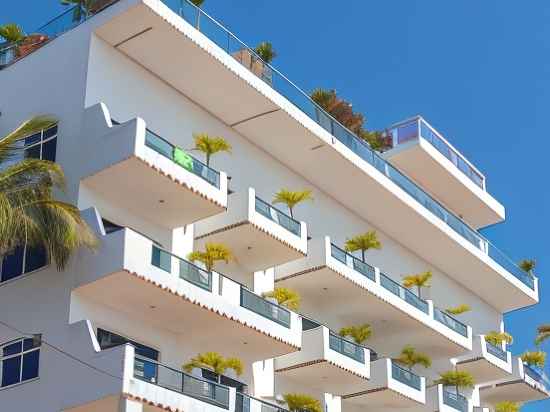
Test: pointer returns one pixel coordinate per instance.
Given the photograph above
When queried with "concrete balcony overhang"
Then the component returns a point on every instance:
(389, 388)
(211, 77)
(257, 241)
(486, 363)
(326, 283)
(420, 160)
(131, 275)
(121, 167)
(323, 364)
(522, 386)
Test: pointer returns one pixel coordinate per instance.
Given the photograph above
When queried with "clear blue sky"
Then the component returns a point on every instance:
(479, 71)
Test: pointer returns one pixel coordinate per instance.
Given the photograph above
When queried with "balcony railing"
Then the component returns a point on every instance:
(265, 308)
(349, 260)
(167, 149)
(536, 374)
(450, 322)
(403, 293)
(417, 127)
(455, 400)
(496, 351)
(232, 45)
(242, 403)
(347, 348)
(404, 376)
(277, 216)
(178, 381)
(187, 270)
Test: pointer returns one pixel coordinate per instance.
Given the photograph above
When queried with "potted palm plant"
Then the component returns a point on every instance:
(507, 406)
(215, 363)
(298, 402)
(498, 338)
(419, 280)
(284, 297)
(214, 252)
(536, 358)
(258, 61)
(543, 333)
(363, 242)
(291, 199)
(528, 266)
(210, 145)
(409, 357)
(458, 310)
(18, 44)
(456, 379)
(359, 333)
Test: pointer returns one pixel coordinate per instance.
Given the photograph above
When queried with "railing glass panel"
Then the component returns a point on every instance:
(178, 381)
(277, 216)
(355, 263)
(455, 400)
(404, 376)
(538, 375)
(347, 348)
(496, 351)
(242, 403)
(403, 293)
(264, 307)
(450, 322)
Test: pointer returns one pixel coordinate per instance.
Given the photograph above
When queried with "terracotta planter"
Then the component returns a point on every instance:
(30, 44)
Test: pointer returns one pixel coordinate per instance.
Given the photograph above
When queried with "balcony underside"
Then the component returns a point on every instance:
(324, 376)
(482, 370)
(150, 303)
(421, 161)
(513, 391)
(380, 399)
(107, 404)
(139, 188)
(325, 290)
(214, 80)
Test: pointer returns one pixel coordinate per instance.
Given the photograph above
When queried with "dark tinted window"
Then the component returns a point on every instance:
(109, 340)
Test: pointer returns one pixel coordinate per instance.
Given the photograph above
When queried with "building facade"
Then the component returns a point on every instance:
(130, 84)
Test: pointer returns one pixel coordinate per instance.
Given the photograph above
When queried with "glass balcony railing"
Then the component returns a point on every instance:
(264, 308)
(455, 400)
(403, 293)
(242, 403)
(178, 381)
(347, 348)
(349, 260)
(233, 46)
(279, 217)
(404, 376)
(536, 374)
(167, 149)
(187, 270)
(496, 351)
(450, 322)
(415, 128)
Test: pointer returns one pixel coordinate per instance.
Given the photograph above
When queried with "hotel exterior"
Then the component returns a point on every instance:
(130, 83)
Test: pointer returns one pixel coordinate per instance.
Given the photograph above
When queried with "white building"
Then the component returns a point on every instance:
(136, 80)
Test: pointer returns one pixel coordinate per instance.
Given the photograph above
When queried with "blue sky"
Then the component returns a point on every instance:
(478, 71)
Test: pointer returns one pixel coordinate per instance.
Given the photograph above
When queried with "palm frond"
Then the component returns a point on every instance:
(507, 406)
(285, 297)
(528, 265)
(8, 147)
(363, 242)
(458, 310)
(418, 280)
(459, 379)
(214, 252)
(12, 33)
(497, 338)
(266, 51)
(410, 358)
(298, 402)
(543, 333)
(292, 198)
(537, 358)
(358, 333)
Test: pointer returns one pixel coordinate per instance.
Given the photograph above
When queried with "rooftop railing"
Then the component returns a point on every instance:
(279, 217)
(166, 149)
(347, 348)
(455, 400)
(404, 376)
(230, 43)
(496, 351)
(447, 320)
(178, 381)
(418, 127)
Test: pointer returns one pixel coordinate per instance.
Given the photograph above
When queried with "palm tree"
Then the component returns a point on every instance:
(29, 214)
(537, 358)
(359, 334)
(458, 379)
(363, 243)
(543, 333)
(265, 51)
(291, 199)
(214, 362)
(507, 406)
(285, 297)
(497, 338)
(214, 252)
(458, 310)
(297, 402)
(12, 33)
(326, 99)
(528, 265)
(210, 145)
(420, 280)
(410, 358)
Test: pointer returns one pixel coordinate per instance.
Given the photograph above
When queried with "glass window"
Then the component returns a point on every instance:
(108, 340)
(19, 361)
(22, 260)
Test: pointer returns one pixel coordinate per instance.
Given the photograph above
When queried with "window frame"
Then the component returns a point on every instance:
(21, 354)
(42, 142)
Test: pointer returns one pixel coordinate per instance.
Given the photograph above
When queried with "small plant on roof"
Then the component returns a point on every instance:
(359, 333)
(210, 145)
(528, 266)
(285, 297)
(497, 338)
(420, 280)
(363, 242)
(298, 402)
(214, 362)
(213, 252)
(458, 310)
(536, 358)
(291, 199)
(266, 51)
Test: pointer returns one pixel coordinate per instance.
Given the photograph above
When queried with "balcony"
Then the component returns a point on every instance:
(276, 116)
(136, 170)
(486, 362)
(430, 160)
(333, 280)
(391, 386)
(259, 235)
(133, 275)
(526, 384)
(447, 399)
(326, 361)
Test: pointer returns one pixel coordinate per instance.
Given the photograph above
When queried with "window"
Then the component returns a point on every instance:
(19, 361)
(42, 145)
